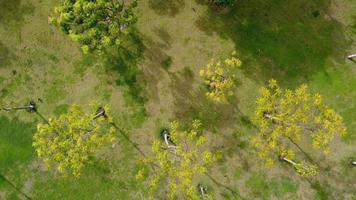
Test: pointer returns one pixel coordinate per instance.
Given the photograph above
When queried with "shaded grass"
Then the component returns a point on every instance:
(61, 109)
(13, 11)
(125, 62)
(5, 55)
(321, 192)
(15, 143)
(285, 38)
(55, 91)
(164, 7)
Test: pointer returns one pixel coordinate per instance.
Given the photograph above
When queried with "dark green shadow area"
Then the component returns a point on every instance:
(285, 40)
(61, 109)
(15, 143)
(125, 61)
(166, 7)
(13, 11)
(5, 55)
(321, 192)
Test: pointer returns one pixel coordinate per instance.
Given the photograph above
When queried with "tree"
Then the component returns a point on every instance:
(95, 24)
(179, 161)
(219, 78)
(69, 142)
(284, 117)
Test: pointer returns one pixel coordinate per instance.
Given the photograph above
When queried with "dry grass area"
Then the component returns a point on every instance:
(178, 38)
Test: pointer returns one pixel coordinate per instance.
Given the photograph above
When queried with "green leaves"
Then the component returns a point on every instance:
(286, 116)
(176, 166)
(68, 142)
(95, 24)
(219, 78)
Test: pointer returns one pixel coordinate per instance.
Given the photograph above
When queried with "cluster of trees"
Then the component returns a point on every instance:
(283, 117)
(181, 157)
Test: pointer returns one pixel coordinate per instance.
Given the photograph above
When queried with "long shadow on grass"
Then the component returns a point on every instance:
(166, 7)
(5, 55)
(14, 11)
(125, 61)
(285, 40)
(191, 103)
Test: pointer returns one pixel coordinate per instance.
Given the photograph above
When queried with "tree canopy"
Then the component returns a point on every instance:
(95, 24)
(178, 165)
(68, 142)
(284, 117)
(219, 77)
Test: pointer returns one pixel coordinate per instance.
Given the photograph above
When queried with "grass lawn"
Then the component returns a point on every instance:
(157, 81)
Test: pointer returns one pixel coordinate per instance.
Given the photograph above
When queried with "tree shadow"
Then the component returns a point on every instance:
(5, 55)
(285, 40)
(191, 103)
(155, 50)
(166, 7)
(125, 60)
(14, 11)
(164, 36)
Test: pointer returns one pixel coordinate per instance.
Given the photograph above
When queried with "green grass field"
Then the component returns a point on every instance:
(294, 42)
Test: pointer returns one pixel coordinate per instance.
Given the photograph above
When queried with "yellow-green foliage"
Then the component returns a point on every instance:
(219, 77)
(68, 142)
(305, 169)
(95, 24)
(177, 168)
(302, 168)
(284, 116)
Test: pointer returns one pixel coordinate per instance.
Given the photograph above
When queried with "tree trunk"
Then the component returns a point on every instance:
(166, 140)
(100, 112)
(202, 191)
(352, 56)
(30, 108)
(301, 150)
(42, 117)
(353, 162)
(288, 160)
(234, 193)
(128, 139)
(269, 116)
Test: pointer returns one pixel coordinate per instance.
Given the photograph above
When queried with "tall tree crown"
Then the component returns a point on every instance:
(68, 142)
(179, 166)
(283, 116)
(95, 24)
